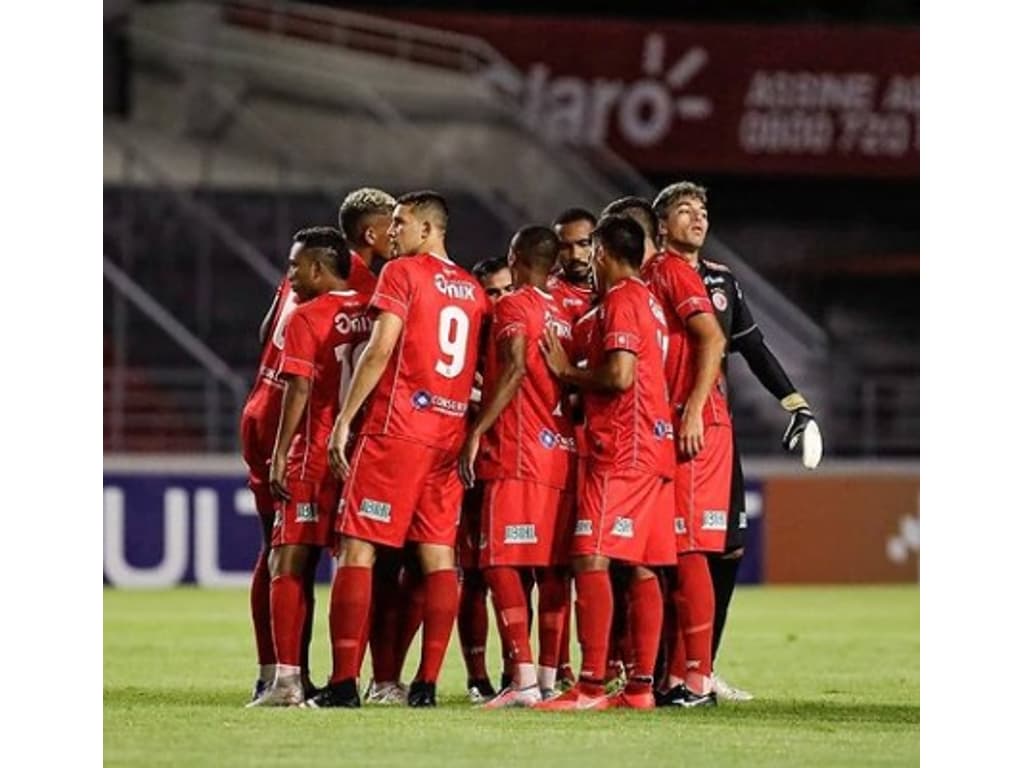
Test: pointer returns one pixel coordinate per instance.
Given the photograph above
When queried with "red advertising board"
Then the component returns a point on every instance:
(677, 97)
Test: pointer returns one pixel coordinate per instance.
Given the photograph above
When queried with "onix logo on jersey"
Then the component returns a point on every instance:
(455, 289)
(346, 324)
(562, 329)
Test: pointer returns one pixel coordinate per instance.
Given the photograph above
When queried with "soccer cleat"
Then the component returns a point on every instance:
(548, 693)
(385, 693)
(573, 700)
(624, 699)
(566, 679)
(506, 680)
(681, 696)
(514, 697)
(422, 694)
(479, 690)
(259, 687)
(725, 691)
(344, 694)
(281, 693)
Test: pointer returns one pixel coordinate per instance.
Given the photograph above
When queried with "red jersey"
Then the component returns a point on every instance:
(322, 342)
(532, 439)
(681, 291)
(574, 299)
(579, 352)
(360, 277)
(424, 391)
(264, 401)
(631, 430)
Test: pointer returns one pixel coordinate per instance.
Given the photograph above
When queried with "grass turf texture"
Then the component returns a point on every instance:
(835, 672)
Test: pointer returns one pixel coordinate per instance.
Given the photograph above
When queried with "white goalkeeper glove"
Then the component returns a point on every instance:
(802, 431)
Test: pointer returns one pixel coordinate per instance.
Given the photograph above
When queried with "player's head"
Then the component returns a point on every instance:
(682, 211)
(318, 262)
(364, 218)
(573, 227)
(532, 254)
(418, 223)
(618, 249)
(639, 210)
(495, 277)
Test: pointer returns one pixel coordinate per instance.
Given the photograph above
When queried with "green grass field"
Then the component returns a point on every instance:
(835, 671)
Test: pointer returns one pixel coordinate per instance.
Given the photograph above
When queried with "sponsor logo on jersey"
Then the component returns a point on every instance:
(552, 440)
(623, 527)
(714, 520)
(375, 510)
(421, 400)
(562, 329)
(680, 526)
(455, 289)
(662, 429)
(584, 528)
(548, 438)
(305, 512)
(525, 533)
(719, 300)
(345, 323)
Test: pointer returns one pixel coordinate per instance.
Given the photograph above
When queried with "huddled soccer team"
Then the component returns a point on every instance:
(557, 419)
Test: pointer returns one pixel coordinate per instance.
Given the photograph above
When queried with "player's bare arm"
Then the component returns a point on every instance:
(512, 358)
(387, 329)
(293, 405)
(709, 343)
(615, 374)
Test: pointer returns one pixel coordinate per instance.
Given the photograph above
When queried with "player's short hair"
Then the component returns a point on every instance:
(537, 245)
(638, 209)
(487, 267)
(427, 204)
(328, 246)
(574, 214)
(671, 194)
(622, 238)
(357, 205)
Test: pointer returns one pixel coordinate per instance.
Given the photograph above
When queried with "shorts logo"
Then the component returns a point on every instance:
(718, 299)
(623, 527)
(662, 429)
(680, 526)
(305, 512)
(714, 520)
(584, 528)
(375, 510)
(521, 534)
(548, 438)
(743, 519)
(421, 400)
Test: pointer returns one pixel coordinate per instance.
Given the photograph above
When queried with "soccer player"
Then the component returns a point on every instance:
(625, 503)
(572, 282)
(360, 219)
(696, 346)
(322, 340)
(526, 449)
(746, 339)
(402, 485)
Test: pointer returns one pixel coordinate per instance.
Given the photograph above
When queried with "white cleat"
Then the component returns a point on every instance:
(725, 691)
(385, 693)
(286, 693)
(513, 697)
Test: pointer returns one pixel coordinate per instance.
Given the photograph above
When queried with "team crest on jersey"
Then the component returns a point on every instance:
(718, 299)
(375, 510)
(525, 533)
(455, 289)
(714, 520)
(305, 512)
(584, 528)
(623, 527)
(680, 526)
(662, 429)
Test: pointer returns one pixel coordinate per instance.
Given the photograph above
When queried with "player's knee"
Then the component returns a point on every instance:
(356, 553)
(436, 557)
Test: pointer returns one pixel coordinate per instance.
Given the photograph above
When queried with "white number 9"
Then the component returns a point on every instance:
(452, 335)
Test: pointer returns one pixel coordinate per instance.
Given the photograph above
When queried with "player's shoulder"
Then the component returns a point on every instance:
(715, 266)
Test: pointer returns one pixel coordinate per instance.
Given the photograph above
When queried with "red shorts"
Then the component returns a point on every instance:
(309, 517)
(401, 491)
(524, 524)
(703, 485)
(625, 516)
(467, 548)
(258, 436)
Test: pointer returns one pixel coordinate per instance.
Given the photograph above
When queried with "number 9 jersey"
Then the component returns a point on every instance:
(424, 392)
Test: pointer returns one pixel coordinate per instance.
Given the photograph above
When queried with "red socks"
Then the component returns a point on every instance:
(473, 624)
(440, 605)
(287, 617)
(594, 623)
(552, 605)
(695, 619)
(350, 608)
(259, 606)
(510, 602)
(645, 615)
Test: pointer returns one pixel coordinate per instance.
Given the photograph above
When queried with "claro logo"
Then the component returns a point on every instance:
(578, 111)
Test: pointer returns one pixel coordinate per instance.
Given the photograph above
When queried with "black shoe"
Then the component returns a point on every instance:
(422, 694)
(343, 694)
(681, 696)
(483, 688)
(259, 687)
(506, 680)
(309, 690)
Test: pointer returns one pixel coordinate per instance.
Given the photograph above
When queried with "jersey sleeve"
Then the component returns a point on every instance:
(620, 329)
(299, 355)
(394, 290)
(684, 291)
(742, 319)
(509, 318)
